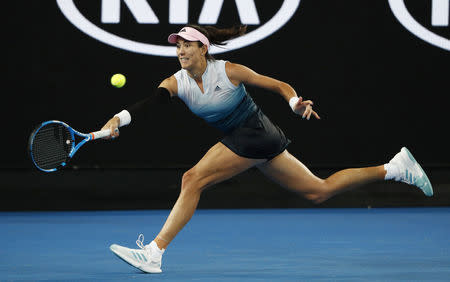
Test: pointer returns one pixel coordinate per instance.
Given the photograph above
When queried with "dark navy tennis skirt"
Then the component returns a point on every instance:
(256, 138)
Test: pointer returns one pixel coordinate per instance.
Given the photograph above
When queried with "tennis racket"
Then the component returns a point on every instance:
(52, 144)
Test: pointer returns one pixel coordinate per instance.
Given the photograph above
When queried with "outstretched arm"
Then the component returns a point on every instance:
(167, 89)
(241, 74)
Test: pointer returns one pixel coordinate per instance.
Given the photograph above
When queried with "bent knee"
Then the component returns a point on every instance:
(317, 198)
(319, 195)
(190, 182)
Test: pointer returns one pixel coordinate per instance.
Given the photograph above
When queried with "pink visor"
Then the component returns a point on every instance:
(190, 34)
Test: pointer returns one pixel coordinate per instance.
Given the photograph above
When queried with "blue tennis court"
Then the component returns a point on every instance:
(382, 244)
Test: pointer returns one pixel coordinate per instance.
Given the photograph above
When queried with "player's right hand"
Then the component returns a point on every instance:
(113, 126)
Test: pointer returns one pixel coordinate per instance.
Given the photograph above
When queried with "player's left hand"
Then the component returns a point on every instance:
(304, 108)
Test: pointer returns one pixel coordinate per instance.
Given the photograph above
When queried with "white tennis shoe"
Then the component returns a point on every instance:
(144, 258)
(411, 172)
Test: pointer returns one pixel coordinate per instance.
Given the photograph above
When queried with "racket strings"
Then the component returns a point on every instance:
(51, 146)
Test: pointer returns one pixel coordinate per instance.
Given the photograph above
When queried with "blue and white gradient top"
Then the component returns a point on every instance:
(222, 104)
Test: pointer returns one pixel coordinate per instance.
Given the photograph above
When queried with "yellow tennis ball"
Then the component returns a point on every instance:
(118, 80)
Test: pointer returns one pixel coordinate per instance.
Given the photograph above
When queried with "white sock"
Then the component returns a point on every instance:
(156, 251)
(392, 171)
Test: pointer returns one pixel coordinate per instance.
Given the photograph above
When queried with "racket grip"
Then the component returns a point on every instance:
(100, 134)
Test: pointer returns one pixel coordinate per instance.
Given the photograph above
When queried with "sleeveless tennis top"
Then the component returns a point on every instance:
(223, 105)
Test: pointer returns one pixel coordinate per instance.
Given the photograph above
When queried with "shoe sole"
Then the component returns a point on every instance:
(427, 189)
(138, 266)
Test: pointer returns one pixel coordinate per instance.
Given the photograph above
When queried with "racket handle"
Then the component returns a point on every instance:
(100, 134)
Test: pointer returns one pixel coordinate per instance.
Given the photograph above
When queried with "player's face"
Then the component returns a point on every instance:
(189, 54)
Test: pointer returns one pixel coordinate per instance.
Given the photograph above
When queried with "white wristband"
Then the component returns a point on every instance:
(292, 102)
(124, 117)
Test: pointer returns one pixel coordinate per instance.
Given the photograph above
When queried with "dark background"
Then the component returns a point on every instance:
(376, 86)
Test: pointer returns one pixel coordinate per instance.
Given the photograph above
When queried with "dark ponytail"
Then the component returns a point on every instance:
(219, 36)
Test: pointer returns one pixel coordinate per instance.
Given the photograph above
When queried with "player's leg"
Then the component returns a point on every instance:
(290, 173)
(218, 164)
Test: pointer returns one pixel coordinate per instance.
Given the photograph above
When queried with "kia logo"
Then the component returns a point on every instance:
(439, 18)
(178, 14)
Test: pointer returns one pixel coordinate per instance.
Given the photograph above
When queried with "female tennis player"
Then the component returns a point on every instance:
(214, 90)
